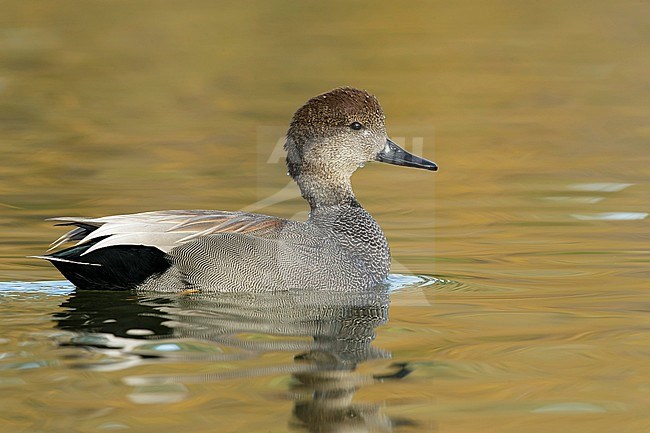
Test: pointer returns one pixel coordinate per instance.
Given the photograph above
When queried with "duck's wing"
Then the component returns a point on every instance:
(163, 230)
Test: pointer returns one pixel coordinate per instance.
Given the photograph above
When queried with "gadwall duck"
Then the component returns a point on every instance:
(339, 247)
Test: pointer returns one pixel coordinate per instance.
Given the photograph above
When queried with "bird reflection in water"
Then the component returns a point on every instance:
(340, 328)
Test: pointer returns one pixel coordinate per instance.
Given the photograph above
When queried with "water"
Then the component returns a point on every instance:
(519, 299)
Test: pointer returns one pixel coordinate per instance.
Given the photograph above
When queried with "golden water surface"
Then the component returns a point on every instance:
(519, 300)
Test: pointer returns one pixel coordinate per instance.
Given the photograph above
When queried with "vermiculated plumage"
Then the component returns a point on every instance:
(340, 246)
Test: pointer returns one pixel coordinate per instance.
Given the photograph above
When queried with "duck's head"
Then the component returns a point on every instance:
(337, 132)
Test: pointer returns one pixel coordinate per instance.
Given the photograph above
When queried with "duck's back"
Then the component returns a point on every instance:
(336, 249)
(339, 248)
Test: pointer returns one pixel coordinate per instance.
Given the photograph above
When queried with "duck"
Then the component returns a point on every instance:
(339, 247)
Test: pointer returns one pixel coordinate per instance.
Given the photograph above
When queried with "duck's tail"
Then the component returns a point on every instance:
(120, 267)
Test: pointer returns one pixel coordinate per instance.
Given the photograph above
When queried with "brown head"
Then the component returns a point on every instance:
(335, 133)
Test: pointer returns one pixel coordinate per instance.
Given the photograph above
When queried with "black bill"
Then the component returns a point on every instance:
(393, 154)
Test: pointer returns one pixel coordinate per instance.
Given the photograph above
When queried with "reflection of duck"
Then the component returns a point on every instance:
(338, 323)
(340, 246)
(339, 327)
(111, 313)
(327, 404)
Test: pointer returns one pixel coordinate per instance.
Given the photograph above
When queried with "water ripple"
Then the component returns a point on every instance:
(53, 288)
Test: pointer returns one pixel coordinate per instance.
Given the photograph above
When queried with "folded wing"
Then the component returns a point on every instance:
(163, 230)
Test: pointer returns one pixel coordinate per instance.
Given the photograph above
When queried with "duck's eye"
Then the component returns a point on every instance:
(356, 126)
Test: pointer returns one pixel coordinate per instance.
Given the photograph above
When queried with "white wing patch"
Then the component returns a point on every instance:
(163, 230)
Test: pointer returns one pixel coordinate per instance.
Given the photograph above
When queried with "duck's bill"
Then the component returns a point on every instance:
(393, 154)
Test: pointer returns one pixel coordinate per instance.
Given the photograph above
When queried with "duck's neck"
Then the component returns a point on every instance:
(325, 192)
